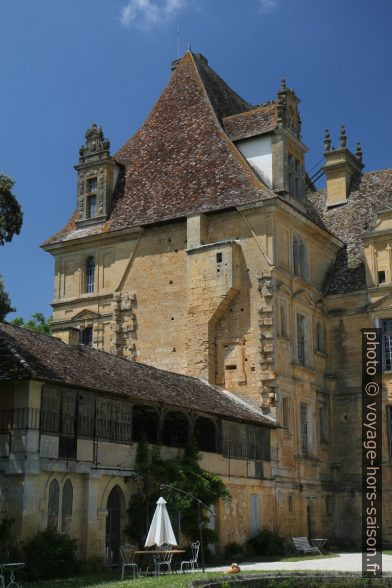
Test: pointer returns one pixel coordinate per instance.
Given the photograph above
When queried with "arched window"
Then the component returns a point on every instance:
(66, 507)
(299, 257)
(90, 274)
(53, 505)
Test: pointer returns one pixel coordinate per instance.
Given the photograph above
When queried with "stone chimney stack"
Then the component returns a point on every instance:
(68, 335)
(340, 167)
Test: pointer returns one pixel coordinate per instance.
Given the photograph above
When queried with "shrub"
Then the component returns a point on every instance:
(50, 555)
(233, 552)
(266, 542)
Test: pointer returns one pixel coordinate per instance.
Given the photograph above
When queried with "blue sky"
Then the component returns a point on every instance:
(67, 64)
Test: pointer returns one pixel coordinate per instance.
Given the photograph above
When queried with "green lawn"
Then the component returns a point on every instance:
(111, 579)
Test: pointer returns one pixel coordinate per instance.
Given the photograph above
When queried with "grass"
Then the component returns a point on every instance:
(111, 578)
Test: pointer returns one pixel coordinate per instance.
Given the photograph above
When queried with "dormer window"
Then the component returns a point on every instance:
(97, 175)
(92, 206)
(91, 211)
(92, 185)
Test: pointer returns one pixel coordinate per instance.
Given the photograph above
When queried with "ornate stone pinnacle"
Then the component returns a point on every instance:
(95, 142)
(283, 86)
(358, 152)
(327, 141)
(343, 138)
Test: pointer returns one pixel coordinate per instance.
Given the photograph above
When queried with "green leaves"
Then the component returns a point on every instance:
(183, 472)
(37, 322)
(5, 302)
(11, 216)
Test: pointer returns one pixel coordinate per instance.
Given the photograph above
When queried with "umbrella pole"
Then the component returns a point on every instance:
(201, 536)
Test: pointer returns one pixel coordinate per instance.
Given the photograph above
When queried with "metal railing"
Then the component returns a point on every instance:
(55, 423)
(19, 418)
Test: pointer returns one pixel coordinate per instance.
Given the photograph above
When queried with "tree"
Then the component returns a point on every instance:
(11, 218)
(183, 472)
(5, 302)
(37, 322)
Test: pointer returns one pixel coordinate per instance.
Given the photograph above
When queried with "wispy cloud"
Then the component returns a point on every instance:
(148, 13)
(268, 5)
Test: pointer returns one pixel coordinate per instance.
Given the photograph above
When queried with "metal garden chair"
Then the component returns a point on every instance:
(192, 563)
(127, 553)
(163, 559)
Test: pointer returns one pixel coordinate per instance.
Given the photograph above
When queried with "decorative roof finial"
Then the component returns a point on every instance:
(358, 152)
(343, 138)
(95, 142)
(327, 141)
(283, 86)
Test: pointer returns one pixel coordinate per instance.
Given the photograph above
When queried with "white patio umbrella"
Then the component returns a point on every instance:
(161, 530)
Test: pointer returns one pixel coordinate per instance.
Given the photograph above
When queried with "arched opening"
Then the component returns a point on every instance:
(66, 507)
(145, 423)
(113, 526)
(175, 430)
(205, 434)
(53, 505)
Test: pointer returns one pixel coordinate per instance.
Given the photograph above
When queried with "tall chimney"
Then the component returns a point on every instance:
(340, 166)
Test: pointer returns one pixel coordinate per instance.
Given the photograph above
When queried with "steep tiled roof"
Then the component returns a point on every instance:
(181, 160)
(368, 193)
(262, 119)
(25, 354)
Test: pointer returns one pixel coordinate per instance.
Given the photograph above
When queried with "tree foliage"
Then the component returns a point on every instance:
(37, 322)
(11, 218)
(5, 302)
(183, 472)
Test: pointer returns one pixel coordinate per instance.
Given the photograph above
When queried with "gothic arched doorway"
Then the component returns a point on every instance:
(113, 526)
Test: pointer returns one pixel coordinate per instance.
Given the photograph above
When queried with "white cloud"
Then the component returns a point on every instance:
(147, 13)
(268, 5)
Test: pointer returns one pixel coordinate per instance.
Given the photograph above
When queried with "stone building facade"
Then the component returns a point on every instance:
(203, 248)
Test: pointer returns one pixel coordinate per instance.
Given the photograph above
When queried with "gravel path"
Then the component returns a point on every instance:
(344, 562)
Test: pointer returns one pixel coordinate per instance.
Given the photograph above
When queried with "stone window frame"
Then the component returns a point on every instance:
(90, 270)
(56, 503)
(67, 496)
(300, 330)
(320, 336)
(323, 423)
(294, 175)
(284, 323)
(300, 257)
(304, 430)
(285, 412)
(301, 309)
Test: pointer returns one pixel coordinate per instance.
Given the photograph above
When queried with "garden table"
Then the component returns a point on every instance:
(11, 568)
(319, 545)
(152, 552)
